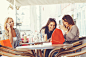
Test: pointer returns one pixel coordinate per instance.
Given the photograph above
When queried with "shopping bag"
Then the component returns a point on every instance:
(57, 37)
(6, 43)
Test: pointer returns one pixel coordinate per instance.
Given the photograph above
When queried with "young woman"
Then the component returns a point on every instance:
(71, 30)
(11, 33)
(49, 28)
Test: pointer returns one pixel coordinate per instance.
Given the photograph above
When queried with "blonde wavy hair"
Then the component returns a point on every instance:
(5, 25)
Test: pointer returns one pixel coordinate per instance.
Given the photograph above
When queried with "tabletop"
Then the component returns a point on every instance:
(44, 46)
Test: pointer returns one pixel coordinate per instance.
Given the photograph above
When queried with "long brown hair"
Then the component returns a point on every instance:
(50, 20)
(69, 19)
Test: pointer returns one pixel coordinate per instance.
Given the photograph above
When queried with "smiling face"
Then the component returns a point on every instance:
(51, 26)
(10, 22)
(65, 23)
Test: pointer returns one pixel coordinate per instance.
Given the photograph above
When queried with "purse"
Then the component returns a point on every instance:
(57, 37)
(6, 43)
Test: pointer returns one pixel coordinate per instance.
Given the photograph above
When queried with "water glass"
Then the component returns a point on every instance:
(25, 38)
(30, 39)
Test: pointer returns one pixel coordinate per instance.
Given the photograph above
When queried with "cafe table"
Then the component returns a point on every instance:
(41, 42)
(44, 46)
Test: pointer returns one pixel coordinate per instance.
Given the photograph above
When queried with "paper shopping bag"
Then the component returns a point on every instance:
(6, 43)
(57, 37)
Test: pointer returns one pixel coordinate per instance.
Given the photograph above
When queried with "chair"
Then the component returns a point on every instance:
(7, 51)
(74, 54)
(72, 50)
(65, 48)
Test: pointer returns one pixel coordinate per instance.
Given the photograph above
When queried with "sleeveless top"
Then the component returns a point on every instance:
(49, 34)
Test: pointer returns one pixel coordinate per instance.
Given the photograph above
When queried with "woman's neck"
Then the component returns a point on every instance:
(50, 30)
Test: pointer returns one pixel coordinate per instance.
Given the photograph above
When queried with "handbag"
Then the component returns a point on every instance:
(57, 37)
(6, 42)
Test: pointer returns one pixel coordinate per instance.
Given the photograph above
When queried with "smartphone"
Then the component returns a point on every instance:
(8, 24)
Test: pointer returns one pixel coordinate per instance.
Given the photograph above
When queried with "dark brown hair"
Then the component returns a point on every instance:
(50, 20)
(69, 19)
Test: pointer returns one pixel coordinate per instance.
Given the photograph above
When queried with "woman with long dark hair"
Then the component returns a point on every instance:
(49, 28)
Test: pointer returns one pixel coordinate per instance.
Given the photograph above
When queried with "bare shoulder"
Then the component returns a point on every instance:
(43, 29)
(74, 26)
(16, 29)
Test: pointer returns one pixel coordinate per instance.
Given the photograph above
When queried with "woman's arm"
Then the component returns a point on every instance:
(18, 36)
(10, 36)
(10, 33)
(48, 40)
(63, 28)
(43, 31)
(73, 33)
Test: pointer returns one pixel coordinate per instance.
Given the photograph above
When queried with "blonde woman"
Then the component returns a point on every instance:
(11, 33)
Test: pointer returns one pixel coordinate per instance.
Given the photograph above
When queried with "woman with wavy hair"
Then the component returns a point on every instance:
(11, 33)
(71, 30)
(49, 28)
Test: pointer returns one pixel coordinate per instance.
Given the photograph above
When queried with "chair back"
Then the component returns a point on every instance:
(72, 50)
(11, 52)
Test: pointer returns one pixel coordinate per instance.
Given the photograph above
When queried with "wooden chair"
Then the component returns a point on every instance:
(7, 51)
(74, 54)
(65, 48)
(72, 50)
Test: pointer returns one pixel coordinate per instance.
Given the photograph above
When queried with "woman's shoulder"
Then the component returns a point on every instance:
(74, 26)
(43, 29)
(16, 30)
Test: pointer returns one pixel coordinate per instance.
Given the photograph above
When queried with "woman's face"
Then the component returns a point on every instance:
(65, 23)
(11, 22)
(51, 26)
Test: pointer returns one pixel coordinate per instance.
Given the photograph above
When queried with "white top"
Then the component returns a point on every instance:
(14, 40)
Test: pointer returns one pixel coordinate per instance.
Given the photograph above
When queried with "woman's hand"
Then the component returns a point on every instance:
(63, 28)
(49, 40)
